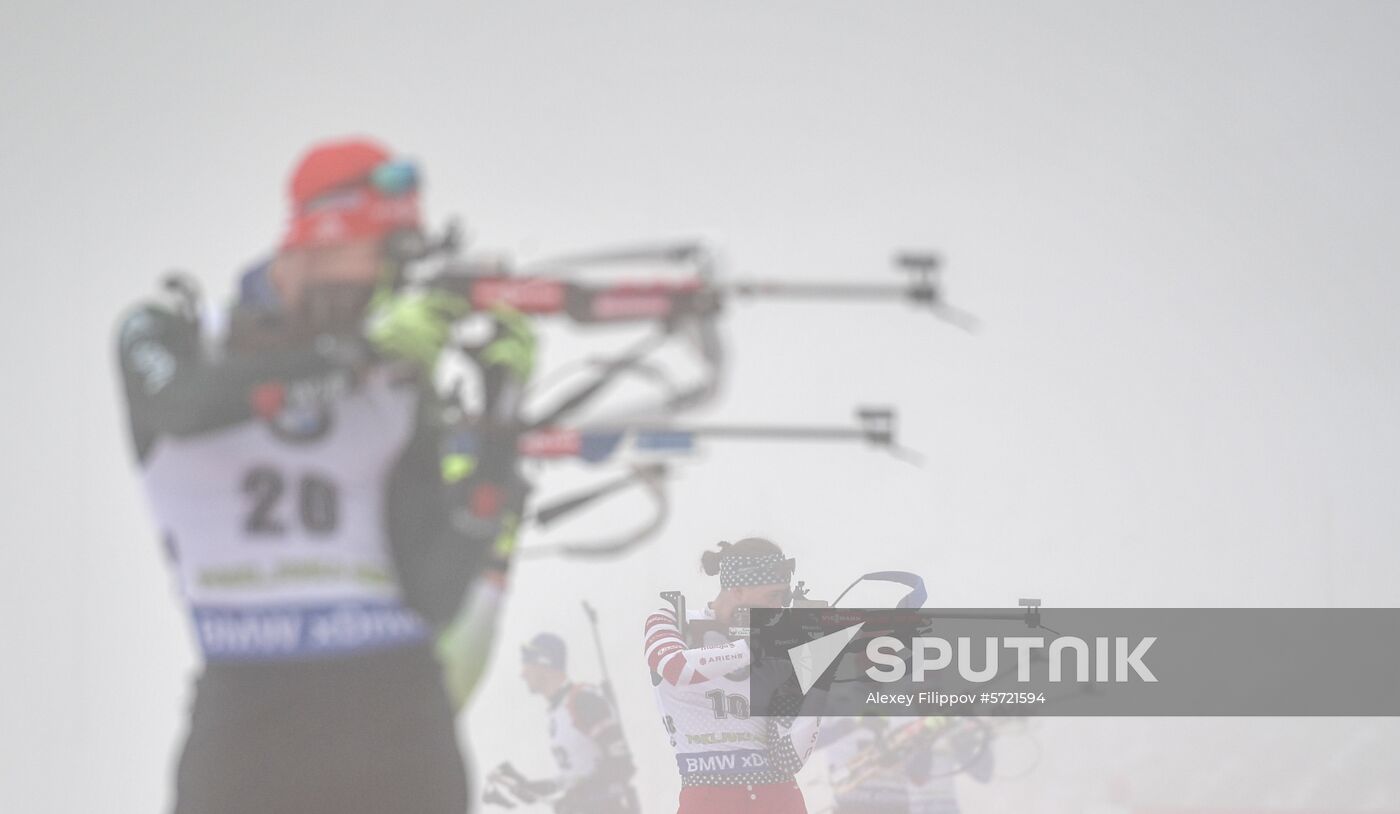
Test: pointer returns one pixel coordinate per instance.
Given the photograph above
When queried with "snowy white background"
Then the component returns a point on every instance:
(1176, 221)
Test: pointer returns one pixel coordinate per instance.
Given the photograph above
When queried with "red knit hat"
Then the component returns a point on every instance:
(334, 199)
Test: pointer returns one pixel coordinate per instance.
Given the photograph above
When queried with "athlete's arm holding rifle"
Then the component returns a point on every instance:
(489, 496)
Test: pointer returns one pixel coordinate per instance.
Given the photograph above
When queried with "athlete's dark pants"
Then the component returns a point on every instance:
(364, 735)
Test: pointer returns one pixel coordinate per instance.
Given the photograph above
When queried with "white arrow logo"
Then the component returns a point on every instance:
(811, 660)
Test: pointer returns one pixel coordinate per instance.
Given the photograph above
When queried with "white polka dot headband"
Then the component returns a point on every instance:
(744, 570)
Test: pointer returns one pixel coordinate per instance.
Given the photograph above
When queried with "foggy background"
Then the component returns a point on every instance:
(1175, 220)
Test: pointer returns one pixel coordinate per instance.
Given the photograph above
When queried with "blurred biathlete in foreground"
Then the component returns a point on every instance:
(730, 762)
(293, 460)
(586, 739)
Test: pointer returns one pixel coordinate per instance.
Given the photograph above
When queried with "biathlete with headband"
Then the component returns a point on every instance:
(729, 761)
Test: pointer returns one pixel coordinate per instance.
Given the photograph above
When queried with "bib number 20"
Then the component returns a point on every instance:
(317, 502)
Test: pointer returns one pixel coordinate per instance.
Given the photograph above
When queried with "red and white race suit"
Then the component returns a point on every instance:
(729, 761)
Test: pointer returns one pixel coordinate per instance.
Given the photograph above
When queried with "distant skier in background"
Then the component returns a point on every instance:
(586, 739)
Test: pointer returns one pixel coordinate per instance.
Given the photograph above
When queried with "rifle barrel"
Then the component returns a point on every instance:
(976, 616)
(749, 431)
(831, 291)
